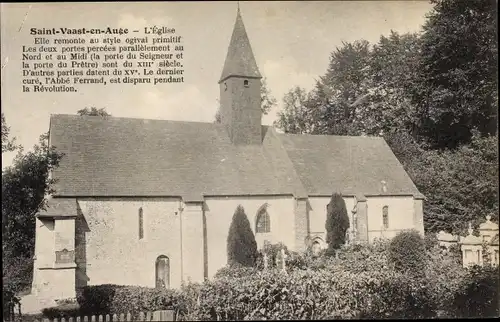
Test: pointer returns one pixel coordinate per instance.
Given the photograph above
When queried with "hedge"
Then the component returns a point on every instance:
(360, 283)
(111, 299)
(307, 294)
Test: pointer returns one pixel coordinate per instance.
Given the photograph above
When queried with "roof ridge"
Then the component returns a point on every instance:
(130, 118)
(332, 135)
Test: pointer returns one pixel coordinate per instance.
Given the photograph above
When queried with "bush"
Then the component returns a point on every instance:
(111, 299)
(307, 294)
(407, 252)
(97, 299)
(187, 302)
(477, 295)
(62, 311)
(234, 271)
(444, 273)
(241, 244)
(337, 223)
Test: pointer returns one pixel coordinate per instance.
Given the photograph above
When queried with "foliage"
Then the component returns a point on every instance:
(8, 144)
(423, 93)
(111, 299)
(444, 273)
(24, 186)
(93, 111)
(456, 82)
(17, 273)
(407, 252)
(477, 295)
(241, 244)
(267, 101)
(461, 185)
(306, 294)
(187, 302)
(298, 114)
(234, 271)
(61, 311)
(337, 222)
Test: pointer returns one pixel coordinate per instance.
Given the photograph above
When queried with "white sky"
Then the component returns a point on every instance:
(292, 42)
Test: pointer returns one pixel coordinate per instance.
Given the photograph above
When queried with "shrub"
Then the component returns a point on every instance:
(234, 271)
(307, 294)
(241, 244)
(407, 252)
(188, 302)
(61, 311)
(135, 299)
(337, 223)
(477, 295)
(97, 299)
(444, 273)
(111, 299)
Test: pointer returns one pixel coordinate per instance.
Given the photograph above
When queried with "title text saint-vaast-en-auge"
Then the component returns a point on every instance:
(98, 31)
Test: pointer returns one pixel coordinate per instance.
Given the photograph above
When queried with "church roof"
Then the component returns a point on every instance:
(347, 164)
(60, 207)
(115, 156)
(240, 60)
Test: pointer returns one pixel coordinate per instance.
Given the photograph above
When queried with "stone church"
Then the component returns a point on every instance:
(149, 202)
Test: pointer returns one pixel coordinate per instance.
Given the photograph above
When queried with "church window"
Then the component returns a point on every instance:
(385, 216)
(141, 224)
(263, 223)
(225, 86)
(245, 83)
(162, 272)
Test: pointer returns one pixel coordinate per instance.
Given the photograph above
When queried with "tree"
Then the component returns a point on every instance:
(337, 223)
(267, 101)
(8, 145)
(456, 84)
(93, 111)
(407, 252)
(24, 186)
(297, 115)
(241, 244)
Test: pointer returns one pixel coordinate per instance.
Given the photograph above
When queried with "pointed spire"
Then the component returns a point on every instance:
(240, 60)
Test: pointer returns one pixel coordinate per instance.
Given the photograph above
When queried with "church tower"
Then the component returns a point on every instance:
(240, 82)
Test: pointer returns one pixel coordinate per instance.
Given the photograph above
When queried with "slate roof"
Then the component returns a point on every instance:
(347, 164)
(240, 60)
(60, 207)
(137, 157)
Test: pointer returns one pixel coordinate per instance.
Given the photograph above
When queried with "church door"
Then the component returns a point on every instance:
(162, 272)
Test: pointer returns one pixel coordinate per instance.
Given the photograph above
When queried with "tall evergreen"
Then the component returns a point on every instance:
(337, 223)
(241, 244)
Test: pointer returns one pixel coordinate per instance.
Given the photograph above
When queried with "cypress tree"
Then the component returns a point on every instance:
(241, 244)
(337, 223)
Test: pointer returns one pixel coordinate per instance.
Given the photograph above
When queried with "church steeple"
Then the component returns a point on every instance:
(240, 102)
(240, 60)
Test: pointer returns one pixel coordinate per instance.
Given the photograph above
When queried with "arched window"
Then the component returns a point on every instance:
(263, 222)
(385, 216)
(245, 83)
(162, 272)
(141, 224)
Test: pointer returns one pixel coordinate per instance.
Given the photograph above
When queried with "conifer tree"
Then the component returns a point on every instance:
(337, 223)
(241, 244)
